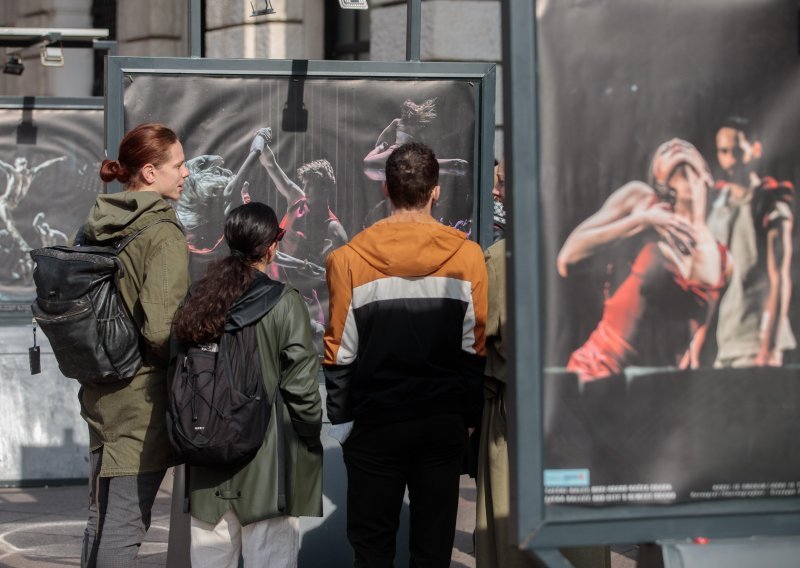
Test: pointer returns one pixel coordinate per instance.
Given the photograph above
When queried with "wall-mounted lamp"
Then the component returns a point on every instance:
(13, 64)
(268, 9)
(50, 42)
(52, 56)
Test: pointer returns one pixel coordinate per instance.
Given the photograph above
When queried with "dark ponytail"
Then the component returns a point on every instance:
(249, 231)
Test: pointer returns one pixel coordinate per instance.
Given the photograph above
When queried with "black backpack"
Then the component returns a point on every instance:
(218, 410)
(80, 310)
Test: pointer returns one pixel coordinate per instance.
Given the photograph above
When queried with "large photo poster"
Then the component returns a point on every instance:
(314, 149)
(49, 161)
(669, 151)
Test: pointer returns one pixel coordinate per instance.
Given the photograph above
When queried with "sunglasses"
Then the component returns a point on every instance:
(280, 235)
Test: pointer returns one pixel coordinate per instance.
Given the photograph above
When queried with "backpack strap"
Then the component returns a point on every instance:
(121, 244)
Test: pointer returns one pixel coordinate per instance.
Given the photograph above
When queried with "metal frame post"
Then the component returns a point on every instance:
(413, 27)
(195, 31)
(523, 283)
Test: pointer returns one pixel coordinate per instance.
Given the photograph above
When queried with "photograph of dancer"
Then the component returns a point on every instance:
(674, 282)
(313, 230)
(19, 178)
(752, 216)
(212, 190)
(410, 126)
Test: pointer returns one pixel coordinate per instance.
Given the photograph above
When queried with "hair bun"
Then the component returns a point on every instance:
(112, 170)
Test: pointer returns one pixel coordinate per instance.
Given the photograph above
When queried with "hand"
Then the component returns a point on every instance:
(263, 136)
(674, 230)
(317, 328)
(312, 270)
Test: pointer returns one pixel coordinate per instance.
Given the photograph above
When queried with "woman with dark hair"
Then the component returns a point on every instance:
(130, 451)
(237, 510)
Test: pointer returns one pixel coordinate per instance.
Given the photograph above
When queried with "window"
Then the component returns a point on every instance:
(346, 33)
(104, 15)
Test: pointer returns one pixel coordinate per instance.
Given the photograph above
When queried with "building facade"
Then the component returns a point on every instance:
(452, 30)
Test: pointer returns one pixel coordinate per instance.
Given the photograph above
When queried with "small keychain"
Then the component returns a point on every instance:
(33, 354)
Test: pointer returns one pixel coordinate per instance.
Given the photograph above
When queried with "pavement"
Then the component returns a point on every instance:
(43, 527)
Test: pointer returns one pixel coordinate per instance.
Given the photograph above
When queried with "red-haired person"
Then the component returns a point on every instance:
(129, 448)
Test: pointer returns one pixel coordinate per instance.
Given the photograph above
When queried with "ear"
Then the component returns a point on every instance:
(149, 173)
(385, 189)
(757, 149)
(436, 193)
(272, 251)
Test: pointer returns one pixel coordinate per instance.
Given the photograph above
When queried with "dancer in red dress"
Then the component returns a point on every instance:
(677, 278)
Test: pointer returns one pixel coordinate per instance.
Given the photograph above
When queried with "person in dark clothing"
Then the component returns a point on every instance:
(404, 356)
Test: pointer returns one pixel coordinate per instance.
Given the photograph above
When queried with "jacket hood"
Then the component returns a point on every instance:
(260, 298)
(407, 248)
(116, 215)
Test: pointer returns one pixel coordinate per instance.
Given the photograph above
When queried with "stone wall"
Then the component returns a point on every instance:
(294, 31)
(44, 436)
(153, 28)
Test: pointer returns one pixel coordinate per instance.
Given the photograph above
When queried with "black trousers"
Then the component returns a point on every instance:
(423, 454)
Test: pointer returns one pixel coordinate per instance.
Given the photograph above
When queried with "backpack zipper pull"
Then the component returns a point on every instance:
(33, 353)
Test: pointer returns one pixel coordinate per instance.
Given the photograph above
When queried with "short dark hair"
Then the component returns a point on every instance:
(741, 124)
(411, 174)
(318, 169)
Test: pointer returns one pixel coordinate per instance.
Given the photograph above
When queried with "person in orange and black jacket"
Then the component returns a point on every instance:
(404, 358)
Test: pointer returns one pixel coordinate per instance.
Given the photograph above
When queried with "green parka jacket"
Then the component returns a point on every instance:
(288, 362)
(129, 419)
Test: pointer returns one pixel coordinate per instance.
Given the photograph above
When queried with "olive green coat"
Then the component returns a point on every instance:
(288, 361)
(493, 529)
(129, 419)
